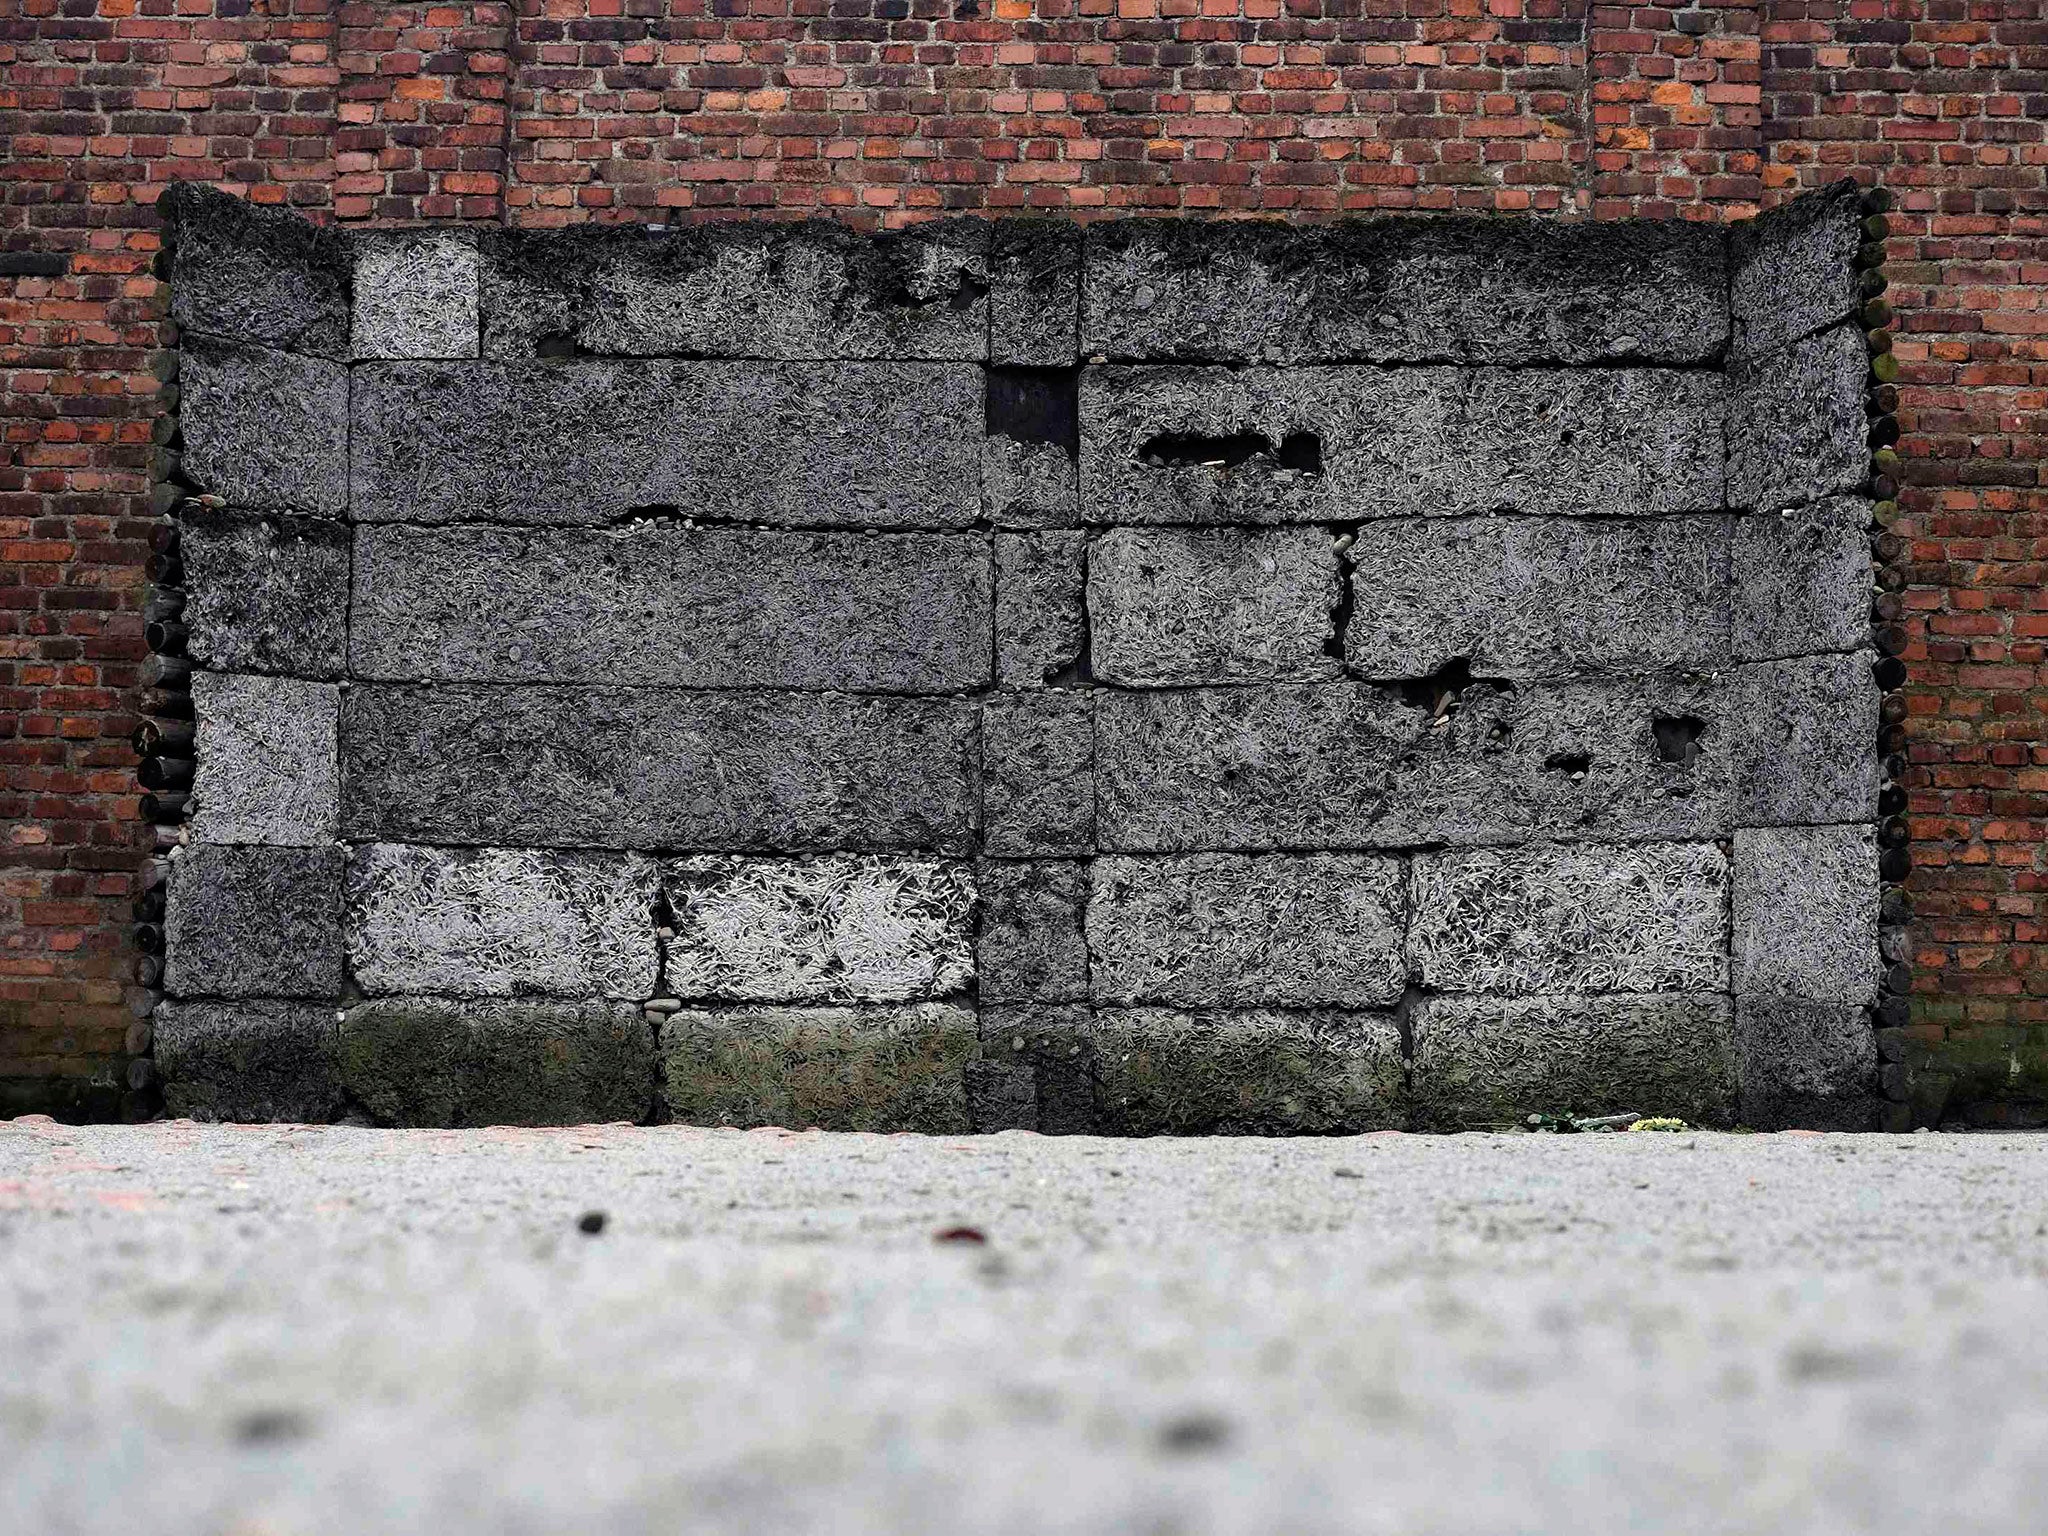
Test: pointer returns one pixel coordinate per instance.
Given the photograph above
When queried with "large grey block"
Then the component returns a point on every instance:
(266, 769)
(1221, 929)
(640, 768)
(661, 604)
(750, 289)
(1489, 1061)
(1806, 913)
(840, 1069)
(1038, 774)
(1800, 580)
(1807, 1065)
(1522, 597)
(886, 445)
(1796, 424)
(1034, 303)
(1028, 484)
(501, 922)
(254, 922)
(1551, 919)
(1805, 748)
(266, 595)
(1177, 606)
(449, 1062)
(1406, 290)
(1792, 271)
(1032, 946)
(1053, 1047)
(823, 930)
(416, 294)
(258, 275)
(1040, 622)
(263, 1060)
(1180, 444)
(268, 431)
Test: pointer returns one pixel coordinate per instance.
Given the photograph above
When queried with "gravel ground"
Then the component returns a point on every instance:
(268, 1331)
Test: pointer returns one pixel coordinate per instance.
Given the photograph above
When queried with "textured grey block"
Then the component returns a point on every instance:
(1000, 1097)
(266, 595)
(1028, 485)
(1406, 290)
(1801, 580)
(1796, 423)
(254, 922)
(661, 604)
(416, 294)
(1521, 597)
(1792, 271)
(1481, 1061)
(1182, 605)
(745, 289)
(1032, 946)
(886, 445)
(1054, 1046)
(1806, 913)
(1226, 930)
(1040, 624)
(1170, 444)
(264, 1060)
(1551, 919)
(821, 930)
(841, 1069)
(1038, 774)
(639, 768)
(257, 275)
(501, 922)
(1807, 1065)
(267, 769)
(1805, 748)
(449, 1062)
(268, 431)
(1034, 303)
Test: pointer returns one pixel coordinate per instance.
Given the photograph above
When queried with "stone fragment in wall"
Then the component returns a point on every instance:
(1801, 579)
(891, 1068)
(254, 923)
(1041, 630)
(1406, 290)
(1804, 734)
(591, 440)
(266, 594)
(1805, 913)
(257, 1060)
(1028, 484)
(268, 431)
(415, 294)
(261, 276)
(1806, 1065)
(1032, 946)
(1038, 774)
(1797, 428)
(1231, 930)
(1001, 1096)
(431, 1061)
(1494, 1061)
(266, 768)
(1035, 292)
(1169, 607)
(1553, 919)
(1792, 271)
(664, 605)
(502, 922)
(657, 769)
(1053, 1046)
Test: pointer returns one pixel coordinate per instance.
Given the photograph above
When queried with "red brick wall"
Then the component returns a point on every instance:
(554, 111)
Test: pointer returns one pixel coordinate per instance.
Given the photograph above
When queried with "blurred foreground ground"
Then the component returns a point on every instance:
(286, 1330)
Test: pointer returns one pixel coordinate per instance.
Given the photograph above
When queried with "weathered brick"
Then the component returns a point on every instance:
(1807, 1065)
(259, 1060)
(1805, 905)
(416, 295)
(1039, 617)
(254, 923)
(1032, 946)
(1801, 580)
(1796, 425)
(266, 595)
(266, 768)
(269, 431)
(1038, 774)
(1034, 305)
(1792, 271)
(255, 275)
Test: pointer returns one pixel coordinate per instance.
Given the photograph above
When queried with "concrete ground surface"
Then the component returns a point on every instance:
(269, 1331)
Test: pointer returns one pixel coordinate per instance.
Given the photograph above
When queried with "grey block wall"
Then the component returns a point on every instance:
(1161, 677)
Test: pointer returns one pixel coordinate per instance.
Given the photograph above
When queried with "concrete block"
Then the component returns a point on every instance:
(266, 765)
(583, 441)
(1796, 424)
(266, 430)
(1550, 919)
(1805, 747)
(256, 275)
(1406, 290)
(1522, 597)
(662, 604)
(1028, 484)
(648, 769)
(821, 930)
(1801, 580)
(1177, 606)
(460, 1062)
(1032, 946)
(266, 595)
(262, 1060)
(1038, 774)
(254, 922)
(1227, 930)
(1805, 909)
(1492, 1061)
(1041, 631)
(1000, 1097)
(1806, 1065)
(1053, 1046)
(1034, 303)
(416, 294)
(502, 922)
(840, 1069)
(1792, 271)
